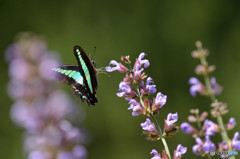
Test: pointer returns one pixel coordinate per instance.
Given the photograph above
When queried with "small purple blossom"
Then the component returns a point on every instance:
(216, 88)
(196, 86)
(148, 126)
(209, 127)
(208, 145)
(65, 155)
(171, 119)
(148, 88)
(197, 148)
(156, 154)
(118, 67)
(151, 88)
(138, 71)
(231, 123)
(144, 63)
(125, 90)
(187, 128)
(160, 100)
(169, 127)
(135, 106)
(236, 142)
(180, 151)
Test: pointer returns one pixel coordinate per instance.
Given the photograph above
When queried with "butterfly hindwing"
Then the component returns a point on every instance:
(69, 74)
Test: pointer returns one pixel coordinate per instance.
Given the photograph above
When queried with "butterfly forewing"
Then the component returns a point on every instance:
(88, 69)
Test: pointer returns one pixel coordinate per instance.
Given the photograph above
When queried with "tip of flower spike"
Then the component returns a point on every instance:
(198, 44)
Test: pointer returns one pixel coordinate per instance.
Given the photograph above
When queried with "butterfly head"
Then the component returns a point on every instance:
(93, 63)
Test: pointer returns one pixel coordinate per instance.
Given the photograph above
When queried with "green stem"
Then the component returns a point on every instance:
(156, 124)
(160, 134)
(219, 117)
(198, 122)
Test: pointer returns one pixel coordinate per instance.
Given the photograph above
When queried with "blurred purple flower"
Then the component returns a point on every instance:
(198, 147)
(45, 66)
(188, 129)
(19, 69)
(209, 127)
(236, 142)
(180, 151)
(231, 123)
(216, 88)
(39, 155)
(208, 145)
(196, 86)
(39, 107)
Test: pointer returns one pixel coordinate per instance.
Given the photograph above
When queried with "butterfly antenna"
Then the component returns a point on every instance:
(103, 71)
(94, 52)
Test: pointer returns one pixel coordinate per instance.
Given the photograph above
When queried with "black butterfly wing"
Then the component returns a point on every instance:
(70, 74)
(89, 74)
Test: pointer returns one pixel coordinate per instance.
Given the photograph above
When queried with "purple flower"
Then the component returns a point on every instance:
(19, 69)
(136, 107)
(208, 145)
(138, 71)
(148, 126)
(39, 107)
(180, 151)
(160, 100)
(118, 67)
(209, 127)
(125, 90)
(216, 88)
(196, 86)
(156, 154)
(171, 119)
(65, 155)
(231, 123)
(37, 49)
(144, 63)
(236, 142)
(45, 66)
(197, 148)
(79, 152)
(187, 128)
(150, 88)
(169, 127)
(39, 155)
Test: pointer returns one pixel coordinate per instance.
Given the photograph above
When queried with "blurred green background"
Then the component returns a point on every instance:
(165, 30)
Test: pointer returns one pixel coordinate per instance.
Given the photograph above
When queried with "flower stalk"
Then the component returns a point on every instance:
(136, 88)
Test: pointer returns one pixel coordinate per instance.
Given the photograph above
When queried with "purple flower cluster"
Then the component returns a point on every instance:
(177, 153)
(136, 88)
(203, 147)
(143, 88)
(41, 109)
(205, 127)
(198, 87)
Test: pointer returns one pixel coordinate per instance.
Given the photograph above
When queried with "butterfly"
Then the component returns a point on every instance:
(82, 77)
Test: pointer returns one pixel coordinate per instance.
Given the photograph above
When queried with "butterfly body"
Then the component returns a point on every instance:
(82, 77)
